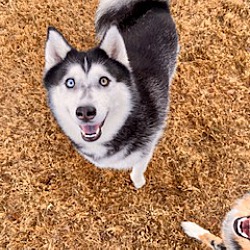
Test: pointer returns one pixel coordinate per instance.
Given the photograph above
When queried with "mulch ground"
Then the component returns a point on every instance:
(52, 198)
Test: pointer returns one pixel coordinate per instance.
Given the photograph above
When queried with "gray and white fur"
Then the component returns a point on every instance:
(112, 100)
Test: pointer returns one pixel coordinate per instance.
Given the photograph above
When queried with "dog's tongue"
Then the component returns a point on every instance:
(245, 227)
(89, 129)
(90, 132)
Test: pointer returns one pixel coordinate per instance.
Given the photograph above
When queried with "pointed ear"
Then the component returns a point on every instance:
(113, 44)
(56, 48)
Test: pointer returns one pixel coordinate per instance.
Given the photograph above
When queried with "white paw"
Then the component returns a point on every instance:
(138, 182)
(193, 230)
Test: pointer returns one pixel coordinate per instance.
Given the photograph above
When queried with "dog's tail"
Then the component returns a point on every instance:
(116, 12)
(195, 231)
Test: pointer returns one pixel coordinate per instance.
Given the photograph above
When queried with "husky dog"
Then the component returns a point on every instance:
(235, 229)
(112, 100)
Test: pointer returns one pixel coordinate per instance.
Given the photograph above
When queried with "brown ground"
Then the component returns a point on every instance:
(51, 198)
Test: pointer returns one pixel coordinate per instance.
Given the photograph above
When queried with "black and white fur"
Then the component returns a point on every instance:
(136, 57)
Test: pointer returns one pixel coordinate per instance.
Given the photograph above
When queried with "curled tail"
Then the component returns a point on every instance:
(117, 11)
(195, 231)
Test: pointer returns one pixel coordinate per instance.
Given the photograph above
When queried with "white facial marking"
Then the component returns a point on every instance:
(86, 64)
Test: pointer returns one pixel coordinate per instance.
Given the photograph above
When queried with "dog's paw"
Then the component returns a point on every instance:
(193, 230)
(138, 182)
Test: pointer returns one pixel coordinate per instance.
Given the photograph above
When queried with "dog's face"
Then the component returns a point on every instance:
(236, 226)
(89, 92)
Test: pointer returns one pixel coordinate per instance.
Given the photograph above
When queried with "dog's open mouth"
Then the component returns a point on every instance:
(91, 133)
(242, 227)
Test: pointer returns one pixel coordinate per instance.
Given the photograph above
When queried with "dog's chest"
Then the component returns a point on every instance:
(101, 157)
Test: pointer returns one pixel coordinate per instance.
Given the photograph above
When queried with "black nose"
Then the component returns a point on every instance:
(86, 113)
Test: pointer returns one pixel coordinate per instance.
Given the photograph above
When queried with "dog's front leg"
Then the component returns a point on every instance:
(195, 231)
(138, 170)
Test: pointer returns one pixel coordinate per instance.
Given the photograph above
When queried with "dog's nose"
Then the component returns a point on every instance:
(86, 113)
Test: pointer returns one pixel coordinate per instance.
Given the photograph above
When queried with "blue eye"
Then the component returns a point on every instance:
(70, 83)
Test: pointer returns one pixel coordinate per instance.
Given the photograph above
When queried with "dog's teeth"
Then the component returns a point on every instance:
(240, 229)
(245, 235)
(98, 131)
(91, 135)
(239, 226)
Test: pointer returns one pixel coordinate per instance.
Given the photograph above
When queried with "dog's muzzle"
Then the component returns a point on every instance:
(90, 131)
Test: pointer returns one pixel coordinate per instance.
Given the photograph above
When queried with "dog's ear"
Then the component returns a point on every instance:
(56, 48)
(113, 44)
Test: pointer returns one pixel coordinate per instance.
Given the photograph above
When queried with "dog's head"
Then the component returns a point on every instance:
(89, 92)
(236, 226)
